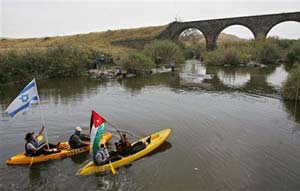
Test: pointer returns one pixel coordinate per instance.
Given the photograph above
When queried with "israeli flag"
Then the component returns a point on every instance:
(27, 97)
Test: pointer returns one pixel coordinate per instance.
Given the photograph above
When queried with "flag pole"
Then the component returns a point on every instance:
(42, 115)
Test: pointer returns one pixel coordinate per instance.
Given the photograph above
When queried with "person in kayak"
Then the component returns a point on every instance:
(78, 140)
(33, 148)
(100, 157)
(123, 147)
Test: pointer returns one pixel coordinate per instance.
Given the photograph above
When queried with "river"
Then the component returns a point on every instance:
(230, 131)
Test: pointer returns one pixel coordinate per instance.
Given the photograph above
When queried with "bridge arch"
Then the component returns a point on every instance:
(241, 31)
(243, 25)
(282, 23)
(182, 30)
(192, 34)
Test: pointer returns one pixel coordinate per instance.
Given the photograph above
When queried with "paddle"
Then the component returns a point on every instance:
(31, 162)
(110, 164)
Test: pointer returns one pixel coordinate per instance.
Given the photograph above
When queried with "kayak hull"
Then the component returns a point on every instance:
(66, 151)
(156, 140)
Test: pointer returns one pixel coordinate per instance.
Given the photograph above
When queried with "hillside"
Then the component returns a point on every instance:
(99, 40)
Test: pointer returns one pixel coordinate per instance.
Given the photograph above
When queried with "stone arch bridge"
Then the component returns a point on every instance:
(259, 25)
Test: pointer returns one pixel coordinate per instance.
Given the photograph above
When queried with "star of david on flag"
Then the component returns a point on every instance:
(24, 100)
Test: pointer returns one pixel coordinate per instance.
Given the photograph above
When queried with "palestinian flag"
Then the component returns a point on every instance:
(97, 126)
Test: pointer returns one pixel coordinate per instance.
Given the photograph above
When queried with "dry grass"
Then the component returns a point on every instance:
(99, 40)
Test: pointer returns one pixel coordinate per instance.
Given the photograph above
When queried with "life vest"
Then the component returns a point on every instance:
(100, 157)
(74, 144)
(34, 143)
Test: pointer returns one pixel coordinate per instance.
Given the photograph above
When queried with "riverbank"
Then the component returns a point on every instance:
(75, 56)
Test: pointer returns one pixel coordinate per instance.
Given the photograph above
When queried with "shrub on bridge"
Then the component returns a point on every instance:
(164, 52)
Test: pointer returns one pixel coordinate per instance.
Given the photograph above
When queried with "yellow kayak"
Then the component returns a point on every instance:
(156, 140)
(66, 151)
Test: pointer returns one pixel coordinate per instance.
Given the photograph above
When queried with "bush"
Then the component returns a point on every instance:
(164, 52)
(223, 56)
(52, 62)
(138, 63)
(64, 61)
(215, 57)
(267, 53)
(231, 56)
(292, 85)
(293, 54)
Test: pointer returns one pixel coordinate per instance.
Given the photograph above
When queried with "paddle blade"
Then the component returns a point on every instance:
(112, 169)
(40, 138)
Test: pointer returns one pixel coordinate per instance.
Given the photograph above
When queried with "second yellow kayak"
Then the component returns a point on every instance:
(156, 140)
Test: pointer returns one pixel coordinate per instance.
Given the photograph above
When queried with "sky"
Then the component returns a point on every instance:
(41, 18)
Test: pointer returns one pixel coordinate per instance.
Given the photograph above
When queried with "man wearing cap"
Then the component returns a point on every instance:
(78, 140)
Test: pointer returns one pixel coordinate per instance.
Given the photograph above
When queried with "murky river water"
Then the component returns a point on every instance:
(226, 134)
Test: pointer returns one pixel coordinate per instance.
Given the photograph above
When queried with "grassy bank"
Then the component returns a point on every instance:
(65, 56)
(51, 62)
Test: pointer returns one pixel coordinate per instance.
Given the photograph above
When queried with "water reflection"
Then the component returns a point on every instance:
(194, 67)
(234, 77)
(56, 90)
(135, 85)
(277, 77)
(80, 159)
(224, 79)
(194, 73)
(162, 148)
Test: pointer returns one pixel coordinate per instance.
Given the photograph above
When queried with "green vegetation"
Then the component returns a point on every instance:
(291, 88)
(69, 56)
(156, 53)
(293, 54)
(269, 51)
(52, 62)
(193, 51)
(164, 52)
(234, 53)
(137, 63)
